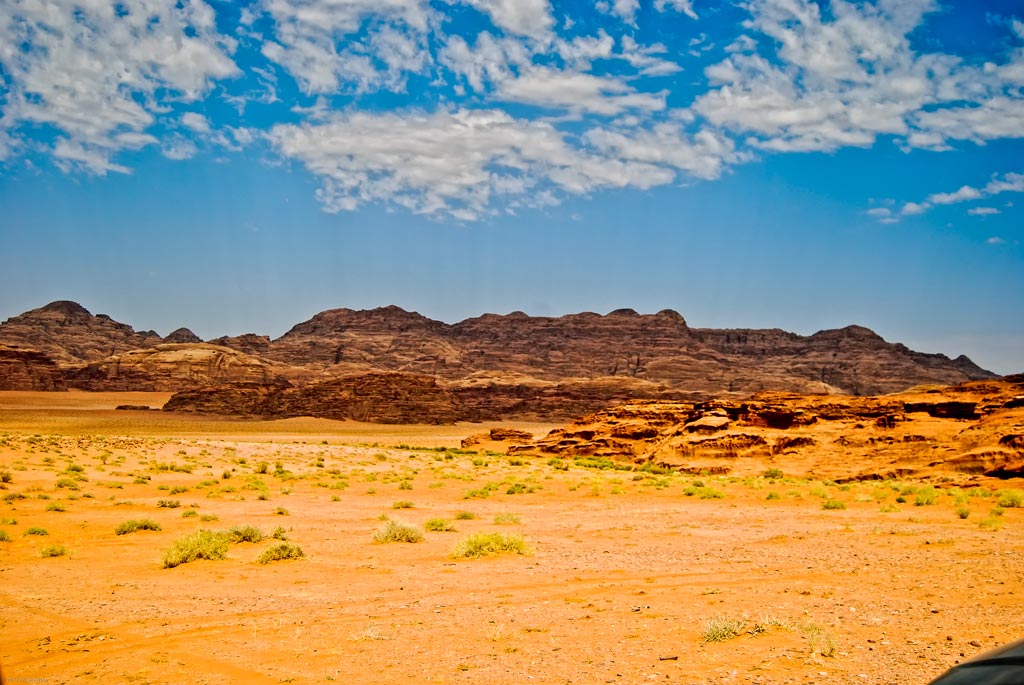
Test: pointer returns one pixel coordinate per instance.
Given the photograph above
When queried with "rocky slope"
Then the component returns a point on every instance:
(973, 427)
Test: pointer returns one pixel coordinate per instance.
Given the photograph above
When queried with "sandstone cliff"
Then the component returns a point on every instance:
(972, 427)
(67, 333)
(583, 354)
(25, 369)
(172, 367)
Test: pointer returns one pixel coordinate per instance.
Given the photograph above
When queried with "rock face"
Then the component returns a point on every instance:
(660, 348)
(374, 397)
(249, 343)
(367, 397)
(67, 333)
(172, 367)
(25, 369)
(182, 335)
(578, 362)
(967, 428)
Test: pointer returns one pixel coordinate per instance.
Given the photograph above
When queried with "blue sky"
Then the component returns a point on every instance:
(236, 167)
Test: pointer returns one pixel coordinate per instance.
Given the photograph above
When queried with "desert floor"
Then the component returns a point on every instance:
(628, 574)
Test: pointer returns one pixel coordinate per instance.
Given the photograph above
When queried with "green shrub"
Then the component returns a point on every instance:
(190, 514)
(178, 489)
(774, 473)
(833, 504)
(208, 517)
(5, 536)
(1011, 498)
(396, 531)
(36, 530)
(281, 511)
(773, 495)
(245, 534)
(53, 551)
(55, 506)
(506, 518)
(465, 516)
(133, 525)
(202, 544)
(439, 525)
(168, 504)
(926, 497)
(963, 512)
(403, 504)
(280, 552)
(68, 483)
(479, 545)
(279, 533)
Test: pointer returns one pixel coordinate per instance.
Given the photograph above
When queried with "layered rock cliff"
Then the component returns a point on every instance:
(623, 346)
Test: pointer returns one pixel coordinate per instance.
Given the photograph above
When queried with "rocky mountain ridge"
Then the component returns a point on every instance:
(96, 352)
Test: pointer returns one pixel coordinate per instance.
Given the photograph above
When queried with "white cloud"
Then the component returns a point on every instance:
(195, 121)
(309, 33)
(995, 240)
(92, 71)
(912, 208)
(522, 17)
(459, 163)
(1006, 183)
(962, 195)
(577, 92)
(684, 6)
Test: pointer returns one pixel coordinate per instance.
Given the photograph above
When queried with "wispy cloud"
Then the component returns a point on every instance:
(1005, 183)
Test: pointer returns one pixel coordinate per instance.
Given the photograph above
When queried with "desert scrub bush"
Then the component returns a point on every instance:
(506, 518)
(280, 552)
(279, 533)
(963, 512)
(5, 536)
(721, 628)
(36, 530)
(397, 531)
(189, 514)
(4, 521)
(833, 504)
(13, 497)
(926, 497)
(465, 516)
(405, 485)
(281, 511)
(773, 495)
(245, 534)
(202, 544)
(1011, 498)
(209, 517)
(53, 551)
(168, 504)
(439, 525)
(403, 504)
(479, 545)
(132, 525)
(55, 506)
(773, 473)
(703, 492)
(177, 490)
(69, 483)
(6, 477)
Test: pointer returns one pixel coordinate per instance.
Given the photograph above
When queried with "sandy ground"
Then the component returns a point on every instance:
(627, 572)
